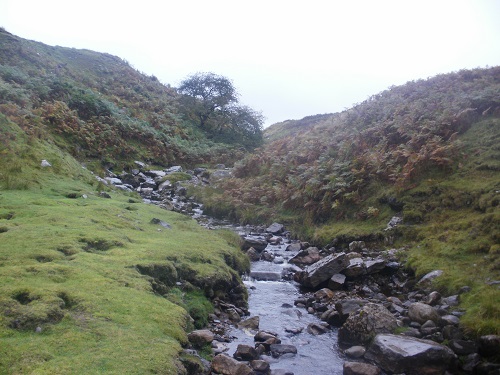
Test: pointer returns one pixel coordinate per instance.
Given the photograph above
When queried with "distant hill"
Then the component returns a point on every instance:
(426, 152)
(99, 108)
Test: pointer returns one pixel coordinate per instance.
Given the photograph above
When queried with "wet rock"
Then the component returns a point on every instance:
(296, 246)
(250, 323)
(275, 240)
(266, 256)
(360, 327)
(233, 315)
(489, 345)
(306, 257)
(316, 329)
(223, 364)
(258, 244)
(451, 332)
(200, 338)
(337, 282)
(275, 228)
(358, 368)
(278, 350)
(262, 336)
(260, 366)
(355, 351)
(398, 354)
(322, 270)
(421, 312)
(245, 353)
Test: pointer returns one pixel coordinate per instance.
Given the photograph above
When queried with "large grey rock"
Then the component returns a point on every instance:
(222, 364)
(362, 326)
(356, 268)
(375, 265)
(421, 313)
(275, 228)
(296, 246)
(412, 356)
(306, 257)
(322, 270)
(358, 368)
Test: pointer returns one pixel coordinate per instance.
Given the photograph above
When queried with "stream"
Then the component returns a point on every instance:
(271, 298)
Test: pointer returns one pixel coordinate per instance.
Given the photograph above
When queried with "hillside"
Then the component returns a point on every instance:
(100, 109)
(426, 152)
(89, 281)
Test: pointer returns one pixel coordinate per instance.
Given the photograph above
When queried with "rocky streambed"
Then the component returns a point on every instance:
(350, 309)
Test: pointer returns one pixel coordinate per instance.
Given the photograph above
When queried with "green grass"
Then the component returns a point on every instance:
(71, 266)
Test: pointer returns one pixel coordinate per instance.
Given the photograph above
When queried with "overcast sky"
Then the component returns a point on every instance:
(288, 59)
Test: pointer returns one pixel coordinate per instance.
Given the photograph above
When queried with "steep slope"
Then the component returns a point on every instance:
(99, 108)
(426, 152)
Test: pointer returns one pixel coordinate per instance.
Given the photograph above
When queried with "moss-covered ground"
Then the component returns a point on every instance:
(87, 283)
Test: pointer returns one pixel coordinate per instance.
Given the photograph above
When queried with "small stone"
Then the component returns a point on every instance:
(250, 323)
(45, 164)
(355, 351)
(38, 330)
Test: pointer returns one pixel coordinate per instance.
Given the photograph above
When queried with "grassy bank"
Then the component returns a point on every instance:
(94, 274)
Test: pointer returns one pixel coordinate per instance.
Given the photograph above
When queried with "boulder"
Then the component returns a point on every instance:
(322, 270)
(375, 265)
(358, 368)
(223, 364)
(201, 337)
(412, 356)
(463, 347)
(355, 268)
(257, 243)
(306, 257)
(361, 326)
(337, 282)
(260, 366)
(275, 228)
(421, 313)
(245, 353)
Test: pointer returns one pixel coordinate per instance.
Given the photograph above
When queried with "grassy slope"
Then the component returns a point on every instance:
(67, 265)
(418, 143)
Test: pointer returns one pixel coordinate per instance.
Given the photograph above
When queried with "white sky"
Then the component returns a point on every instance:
(288, 59)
